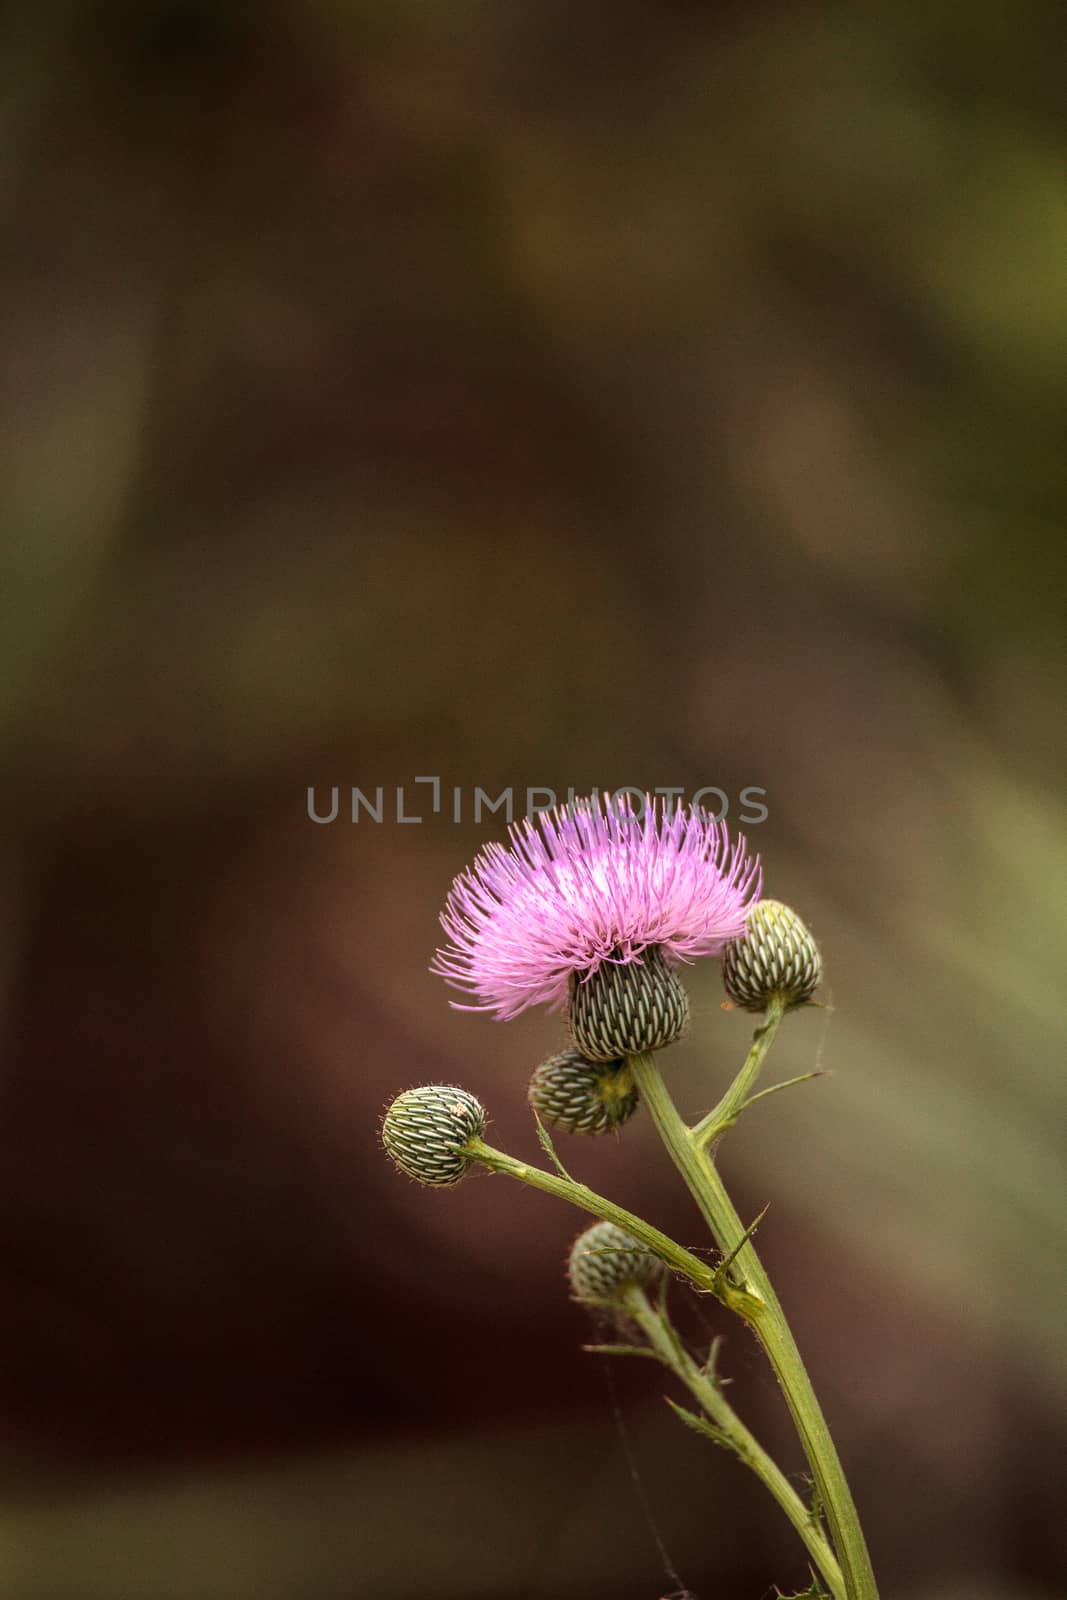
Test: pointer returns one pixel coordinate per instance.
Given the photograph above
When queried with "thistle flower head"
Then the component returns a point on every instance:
(605, 1260)
(587, 885)
(777, 957)
(425, 1131)
(583, 1096)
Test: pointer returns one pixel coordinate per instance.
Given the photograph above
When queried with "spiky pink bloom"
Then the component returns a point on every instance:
(589, 883)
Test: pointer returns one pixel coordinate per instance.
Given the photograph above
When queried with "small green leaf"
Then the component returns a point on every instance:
(775, 1088)
(619, 1350)
(701, 1424)
(710, 1368)
(723, 1281)
(550, 1150)
(815, 1505)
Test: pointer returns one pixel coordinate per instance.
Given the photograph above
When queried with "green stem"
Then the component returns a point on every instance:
(730, 1107)
(731, 1432)
(676, 1257)
(758, 1304)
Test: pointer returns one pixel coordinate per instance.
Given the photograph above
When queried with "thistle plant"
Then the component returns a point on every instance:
(592, 910)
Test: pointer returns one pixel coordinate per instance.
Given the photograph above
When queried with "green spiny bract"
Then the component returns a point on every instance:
(425, 1131)
(605, 1261)
(775, 958)
(583, 1096)
(625, 1008)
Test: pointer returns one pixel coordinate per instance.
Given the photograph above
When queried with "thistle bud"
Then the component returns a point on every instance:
(425, 1131)
(583, 1096)
(606, 1260)
(775, 957)
(627, 1007)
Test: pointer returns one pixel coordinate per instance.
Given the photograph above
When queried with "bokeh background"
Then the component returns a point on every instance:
(524, 394)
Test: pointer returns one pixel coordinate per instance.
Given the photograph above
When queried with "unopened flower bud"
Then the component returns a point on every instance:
(583, 1096)
(606, 1260)
(627, 1007)
(425, 1131)
(775, 957)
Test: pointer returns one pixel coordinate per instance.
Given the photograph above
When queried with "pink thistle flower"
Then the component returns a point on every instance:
(590, 884)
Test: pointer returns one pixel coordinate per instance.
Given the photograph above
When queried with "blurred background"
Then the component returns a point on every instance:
(520, 394)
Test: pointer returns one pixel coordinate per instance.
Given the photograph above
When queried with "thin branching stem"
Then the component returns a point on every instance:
(727, 1429)
(755, 1300)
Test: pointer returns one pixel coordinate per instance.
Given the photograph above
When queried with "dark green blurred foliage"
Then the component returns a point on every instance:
(526, 394)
